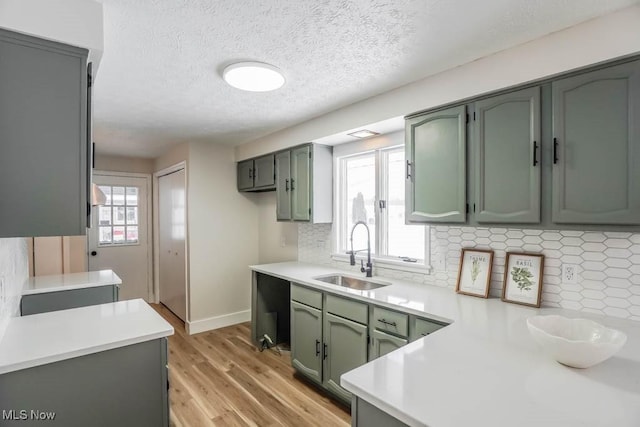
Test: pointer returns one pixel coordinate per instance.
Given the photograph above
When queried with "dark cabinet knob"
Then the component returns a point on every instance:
(94, 253)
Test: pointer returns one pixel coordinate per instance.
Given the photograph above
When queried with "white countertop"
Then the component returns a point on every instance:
(484, 369)
(58, 335)
(67, 282)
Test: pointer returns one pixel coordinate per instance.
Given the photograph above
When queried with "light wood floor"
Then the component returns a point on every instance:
(219, 378)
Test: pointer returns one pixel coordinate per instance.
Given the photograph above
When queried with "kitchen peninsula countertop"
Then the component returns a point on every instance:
(484, 369)
(59, 335)
(69, 281)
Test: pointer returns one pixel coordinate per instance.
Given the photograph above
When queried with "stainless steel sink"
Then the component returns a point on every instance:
(351, 282)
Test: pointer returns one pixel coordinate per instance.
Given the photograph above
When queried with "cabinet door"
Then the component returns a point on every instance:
(245, 175)
(596, 129)
(383, 343)
(345, 349)
(436, 167)
(306, 340)
(300, 184)
(507, 158)
(263, 172)
(283, 186)
(43, 137)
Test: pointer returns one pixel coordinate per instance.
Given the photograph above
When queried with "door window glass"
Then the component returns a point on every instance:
(118, 217)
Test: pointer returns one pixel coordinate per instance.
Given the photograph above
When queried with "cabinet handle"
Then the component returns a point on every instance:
(408, 168)
(317, 348)
(555, 150)
(250, 172)
(386, 322)
(324, 352)
(286, 184)
(535, 153)
(424, 335)
(292, 181)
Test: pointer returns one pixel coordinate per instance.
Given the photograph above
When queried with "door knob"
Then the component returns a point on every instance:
(94, 253)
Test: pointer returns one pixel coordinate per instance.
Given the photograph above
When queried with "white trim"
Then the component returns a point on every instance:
(217, 322)
(156, 227)
(387, 263)
(148, 179)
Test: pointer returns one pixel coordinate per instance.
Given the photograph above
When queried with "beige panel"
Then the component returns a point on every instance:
(47, 256)
(74, 254)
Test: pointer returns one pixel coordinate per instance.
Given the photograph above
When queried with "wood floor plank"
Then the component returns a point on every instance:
(219, 378)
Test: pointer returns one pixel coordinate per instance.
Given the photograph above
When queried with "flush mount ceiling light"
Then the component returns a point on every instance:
(253, 76)
(364, 133)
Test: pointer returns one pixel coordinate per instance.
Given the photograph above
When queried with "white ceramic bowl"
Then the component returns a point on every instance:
(579, 343)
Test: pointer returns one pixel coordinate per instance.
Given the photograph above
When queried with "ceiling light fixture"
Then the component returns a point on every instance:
(364, 133)
(253, 76)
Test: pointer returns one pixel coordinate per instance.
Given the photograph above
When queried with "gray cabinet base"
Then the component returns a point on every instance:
(63, 300)
(364, 414)
(126, 386)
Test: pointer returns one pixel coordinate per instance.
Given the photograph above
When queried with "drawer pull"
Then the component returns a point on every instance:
(317, 348)
(386, 322)
(424, 335)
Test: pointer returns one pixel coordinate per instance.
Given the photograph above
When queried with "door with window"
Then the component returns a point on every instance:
(118, 239)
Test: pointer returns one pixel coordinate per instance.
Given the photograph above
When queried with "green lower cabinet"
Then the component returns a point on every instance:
(306, 340)
(345, 349)
(383, 343)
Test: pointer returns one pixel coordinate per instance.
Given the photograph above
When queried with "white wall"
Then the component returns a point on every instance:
(598, 40)
(74, 22)
(278, 241)
(14, 270)
(124, 164)
(223, 239)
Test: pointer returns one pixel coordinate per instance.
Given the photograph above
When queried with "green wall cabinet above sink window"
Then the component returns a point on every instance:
(557, 154)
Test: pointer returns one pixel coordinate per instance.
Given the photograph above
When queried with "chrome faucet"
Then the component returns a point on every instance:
(352, 258)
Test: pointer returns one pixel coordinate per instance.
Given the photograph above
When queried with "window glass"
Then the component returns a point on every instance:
(360, 187)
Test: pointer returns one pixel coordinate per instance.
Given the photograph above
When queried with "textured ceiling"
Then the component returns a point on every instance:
(159, 81)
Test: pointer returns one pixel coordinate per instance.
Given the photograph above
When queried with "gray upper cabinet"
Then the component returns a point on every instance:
(283, 186)
(44, 137)
(507, 158)
(346, 349)
(304, 184)
(436, 167)
(245, 175)
(257, 174)
(596, 147)
(300, 183)
(306, 340)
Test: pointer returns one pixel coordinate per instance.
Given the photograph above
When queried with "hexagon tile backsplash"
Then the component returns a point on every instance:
(608, 264)
(14, 269)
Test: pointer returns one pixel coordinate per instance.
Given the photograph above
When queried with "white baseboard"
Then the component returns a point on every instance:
(197, 326)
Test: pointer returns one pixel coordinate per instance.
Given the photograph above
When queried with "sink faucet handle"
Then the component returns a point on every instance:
(362, 269)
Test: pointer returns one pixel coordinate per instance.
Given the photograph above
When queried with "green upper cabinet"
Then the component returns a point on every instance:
(436, 167)
(306, 340)
(257, 174)
(507, 158)
(283, 186)
(300, 183)
(263, 172)
(45, 137)
(596, 147)
(346, 349)
(304, 184)
(245, 175)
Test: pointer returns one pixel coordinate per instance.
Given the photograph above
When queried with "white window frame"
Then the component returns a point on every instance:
(380, 147)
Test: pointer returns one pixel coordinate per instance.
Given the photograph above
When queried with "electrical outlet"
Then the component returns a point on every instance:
(320, 244)
(569, 274)
(441, 264)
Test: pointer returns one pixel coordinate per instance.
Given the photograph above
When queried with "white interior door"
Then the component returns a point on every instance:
(171, 242)
(119, 237)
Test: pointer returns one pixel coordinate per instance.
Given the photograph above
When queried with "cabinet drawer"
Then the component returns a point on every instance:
(348, 309)
(390, 321)
(306, 296)
(425, 327)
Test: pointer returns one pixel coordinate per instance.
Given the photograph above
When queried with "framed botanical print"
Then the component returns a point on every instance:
(474, 273)
(523, 278)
